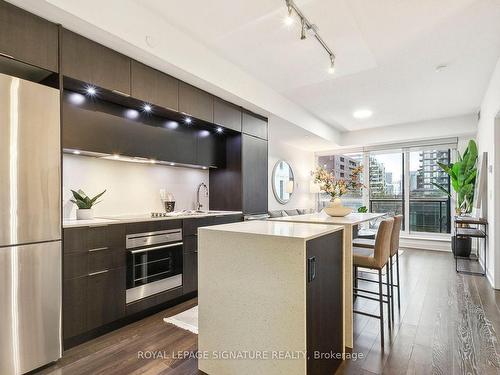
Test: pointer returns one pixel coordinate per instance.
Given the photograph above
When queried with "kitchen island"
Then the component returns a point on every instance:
(270, 298)
(348, 222)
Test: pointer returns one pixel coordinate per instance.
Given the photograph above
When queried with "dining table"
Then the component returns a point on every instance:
(348, 222)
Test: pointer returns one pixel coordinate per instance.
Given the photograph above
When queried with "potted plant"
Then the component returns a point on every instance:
(85, 204)
(336, 188)
(463, 178)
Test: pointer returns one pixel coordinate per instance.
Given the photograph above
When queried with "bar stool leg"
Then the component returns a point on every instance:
(397, 276)
(381, 303)
(391, 265)
(388, 287)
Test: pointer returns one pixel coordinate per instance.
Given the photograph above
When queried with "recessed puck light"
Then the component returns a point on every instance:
(362, 114)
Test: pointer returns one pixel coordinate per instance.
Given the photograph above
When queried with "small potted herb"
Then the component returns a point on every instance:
(85, 204)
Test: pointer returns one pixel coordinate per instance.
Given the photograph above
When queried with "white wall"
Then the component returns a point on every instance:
(459, 126)
(301, 161)
(132, 188)
(488, 138)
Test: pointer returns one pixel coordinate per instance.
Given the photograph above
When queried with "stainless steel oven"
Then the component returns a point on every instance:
(154, 263)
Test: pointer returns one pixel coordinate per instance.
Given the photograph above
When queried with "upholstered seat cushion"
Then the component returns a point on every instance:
(363, 242)
(363, 257)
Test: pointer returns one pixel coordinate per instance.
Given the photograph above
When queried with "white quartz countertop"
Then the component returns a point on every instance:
(322, 218)
(277, 229)
(134, 218)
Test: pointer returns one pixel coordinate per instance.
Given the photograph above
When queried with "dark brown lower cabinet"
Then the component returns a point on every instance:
(190, 272)
(106, 297)
(324, 303)
(74, 307)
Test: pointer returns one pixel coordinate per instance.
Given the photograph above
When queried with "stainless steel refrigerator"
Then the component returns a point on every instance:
(30, 226)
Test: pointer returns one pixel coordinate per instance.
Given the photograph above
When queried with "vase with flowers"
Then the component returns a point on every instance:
(337, 187)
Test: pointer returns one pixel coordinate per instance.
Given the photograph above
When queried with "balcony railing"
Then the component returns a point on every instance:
(430, 215)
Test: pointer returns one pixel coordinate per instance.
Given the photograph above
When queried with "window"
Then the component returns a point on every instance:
(399, 182)
(429, 207)
(386, 184)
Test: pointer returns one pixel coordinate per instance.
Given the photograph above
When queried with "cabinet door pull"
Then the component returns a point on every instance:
(311, 269)
(97, 273)
(98, 249)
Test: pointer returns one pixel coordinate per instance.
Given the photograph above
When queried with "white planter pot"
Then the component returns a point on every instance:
(84, 214)
(335, 208)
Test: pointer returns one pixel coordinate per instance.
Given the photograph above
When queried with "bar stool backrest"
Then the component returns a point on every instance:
(396, 232)
(383, 242)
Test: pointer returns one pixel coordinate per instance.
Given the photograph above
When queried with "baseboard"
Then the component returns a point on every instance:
(425, 244)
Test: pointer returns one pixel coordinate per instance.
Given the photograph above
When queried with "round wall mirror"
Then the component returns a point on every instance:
(283, 181)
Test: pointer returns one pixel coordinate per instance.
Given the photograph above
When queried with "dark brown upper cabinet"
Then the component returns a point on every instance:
(154, 87)
(254, 125)
(196, 102)
(28, 38)
(90, 62)
(227, 115)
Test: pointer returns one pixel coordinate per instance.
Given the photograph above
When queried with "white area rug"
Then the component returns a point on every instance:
(187, 320)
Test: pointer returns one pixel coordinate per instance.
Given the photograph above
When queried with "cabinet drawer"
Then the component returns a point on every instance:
(106, 259)
(74, 240)
(75, 265)
(190, 226)
(97, 238)
(153, 226)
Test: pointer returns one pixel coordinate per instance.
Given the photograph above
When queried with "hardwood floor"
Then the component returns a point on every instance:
(448, 324)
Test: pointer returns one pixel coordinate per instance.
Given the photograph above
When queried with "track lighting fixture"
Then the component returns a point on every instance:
(331, 69)
(308, 27)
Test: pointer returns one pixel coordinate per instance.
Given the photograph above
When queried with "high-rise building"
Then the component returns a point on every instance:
(377, 177)
(340, 165)
(429, 170)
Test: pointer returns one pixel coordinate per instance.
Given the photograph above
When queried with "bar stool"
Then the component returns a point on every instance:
(376, 259)
(396, 232)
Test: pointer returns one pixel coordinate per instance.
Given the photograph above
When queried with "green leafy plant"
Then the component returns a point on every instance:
(362, 210)
(83, 201)
(463, 178)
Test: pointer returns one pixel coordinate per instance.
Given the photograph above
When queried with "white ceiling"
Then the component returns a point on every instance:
(387, 51)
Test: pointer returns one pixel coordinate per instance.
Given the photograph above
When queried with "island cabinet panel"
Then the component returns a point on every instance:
(154, 87)
(90, 62)
(94, 282)
(254, 125)
(254, 171)
(227, 115)
(28, 38)
(324, 302)
(196, 102)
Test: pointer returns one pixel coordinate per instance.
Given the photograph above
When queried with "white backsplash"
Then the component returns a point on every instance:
(132, 188)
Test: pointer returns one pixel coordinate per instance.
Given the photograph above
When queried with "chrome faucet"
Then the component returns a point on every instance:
(198, 205)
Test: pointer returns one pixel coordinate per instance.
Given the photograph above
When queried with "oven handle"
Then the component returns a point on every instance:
(156, 248)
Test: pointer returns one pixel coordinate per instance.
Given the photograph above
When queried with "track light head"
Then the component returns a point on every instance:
(331, 69)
